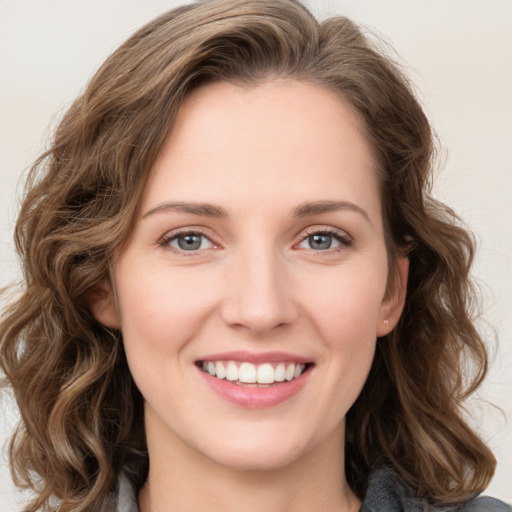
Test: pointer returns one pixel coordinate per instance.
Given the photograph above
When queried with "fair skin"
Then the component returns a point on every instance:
(259, 242)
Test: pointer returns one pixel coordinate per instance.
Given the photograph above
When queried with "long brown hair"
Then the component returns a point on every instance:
(81, 413)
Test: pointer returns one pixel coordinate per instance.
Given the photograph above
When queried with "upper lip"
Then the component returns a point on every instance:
(256, 357)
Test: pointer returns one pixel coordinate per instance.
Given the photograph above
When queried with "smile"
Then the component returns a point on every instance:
(245, 373)
(255, 380)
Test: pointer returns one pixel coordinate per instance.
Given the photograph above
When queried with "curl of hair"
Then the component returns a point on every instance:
(82, 416)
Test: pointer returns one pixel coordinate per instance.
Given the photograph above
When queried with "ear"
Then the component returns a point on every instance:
(103, 305)
(393, 303)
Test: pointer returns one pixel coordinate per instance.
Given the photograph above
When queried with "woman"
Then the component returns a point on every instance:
(238, 291)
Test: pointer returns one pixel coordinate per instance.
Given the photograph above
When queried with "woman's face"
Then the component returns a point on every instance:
(258, 255)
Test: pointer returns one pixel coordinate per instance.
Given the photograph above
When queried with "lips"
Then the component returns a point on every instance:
(255, 380)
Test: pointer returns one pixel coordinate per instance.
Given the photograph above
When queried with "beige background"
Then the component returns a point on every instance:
(459, 54)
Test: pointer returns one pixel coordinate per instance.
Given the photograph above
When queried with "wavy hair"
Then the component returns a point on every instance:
(81, 414)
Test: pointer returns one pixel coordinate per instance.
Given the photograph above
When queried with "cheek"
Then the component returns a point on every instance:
(351, 342)
(350, 334)
(346, 315)
(346, 303)
(162, 304)
(160, 313)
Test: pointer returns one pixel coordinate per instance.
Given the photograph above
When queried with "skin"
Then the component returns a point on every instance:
(257, 283)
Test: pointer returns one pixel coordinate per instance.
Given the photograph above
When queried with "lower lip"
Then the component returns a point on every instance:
(255, 397)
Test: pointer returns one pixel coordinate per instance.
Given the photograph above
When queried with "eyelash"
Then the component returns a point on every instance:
(167, 239)
(344, 240)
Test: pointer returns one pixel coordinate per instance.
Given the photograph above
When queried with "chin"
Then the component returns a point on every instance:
(255, 458)
(259, 450)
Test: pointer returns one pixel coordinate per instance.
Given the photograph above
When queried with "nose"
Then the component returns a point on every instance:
(259, 293)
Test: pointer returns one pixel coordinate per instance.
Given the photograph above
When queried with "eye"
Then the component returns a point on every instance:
(324, 241)
(187, 241)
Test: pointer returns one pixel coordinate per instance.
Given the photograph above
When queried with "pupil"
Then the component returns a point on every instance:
(189, 242)
(320, 242)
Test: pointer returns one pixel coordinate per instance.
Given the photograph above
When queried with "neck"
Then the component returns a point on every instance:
(183, 480)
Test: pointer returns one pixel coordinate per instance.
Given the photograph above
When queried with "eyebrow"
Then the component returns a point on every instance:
(211, 210)
(204, 209)
(319, 207)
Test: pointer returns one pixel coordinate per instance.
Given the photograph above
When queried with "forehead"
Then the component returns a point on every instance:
(283, 140)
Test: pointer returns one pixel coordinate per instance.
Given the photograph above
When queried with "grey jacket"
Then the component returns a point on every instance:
(386, 493)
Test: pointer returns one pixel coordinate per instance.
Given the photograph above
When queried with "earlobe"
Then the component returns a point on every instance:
(394, 300)
(102, 304)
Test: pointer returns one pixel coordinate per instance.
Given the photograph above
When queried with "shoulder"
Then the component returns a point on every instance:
(485, 504)
(388, 492)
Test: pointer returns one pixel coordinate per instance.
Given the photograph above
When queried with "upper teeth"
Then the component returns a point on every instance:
(249, 373)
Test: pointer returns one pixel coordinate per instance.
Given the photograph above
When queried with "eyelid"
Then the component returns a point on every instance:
(165, 240)
(342, 236)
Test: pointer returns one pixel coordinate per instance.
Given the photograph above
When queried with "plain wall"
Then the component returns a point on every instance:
(458, 53)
